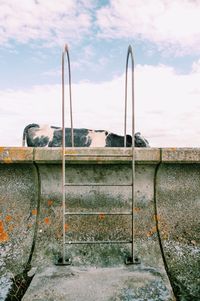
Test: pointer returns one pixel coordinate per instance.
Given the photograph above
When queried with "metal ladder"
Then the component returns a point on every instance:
(132, 259)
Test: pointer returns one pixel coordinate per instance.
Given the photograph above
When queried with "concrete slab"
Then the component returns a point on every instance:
(99, 284)
(181, 155)
(97, 155)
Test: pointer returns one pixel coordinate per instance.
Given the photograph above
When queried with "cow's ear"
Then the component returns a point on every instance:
(128, 140)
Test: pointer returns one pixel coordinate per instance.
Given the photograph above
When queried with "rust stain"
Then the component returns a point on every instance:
(49, 202)
(34, 212)
(101, 216)
(47, 221)
(3, 235)
(8, 218)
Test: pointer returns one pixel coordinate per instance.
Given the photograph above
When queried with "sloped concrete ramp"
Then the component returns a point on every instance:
(101, 284)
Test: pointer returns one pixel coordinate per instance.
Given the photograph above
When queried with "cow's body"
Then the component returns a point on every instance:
(50, 136)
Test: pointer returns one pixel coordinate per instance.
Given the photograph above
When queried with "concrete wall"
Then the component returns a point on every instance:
(166, 211)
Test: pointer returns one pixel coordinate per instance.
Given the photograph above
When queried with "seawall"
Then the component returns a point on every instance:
(167, 227)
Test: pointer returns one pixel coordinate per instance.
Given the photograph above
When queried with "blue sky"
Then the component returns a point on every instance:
(165, 36)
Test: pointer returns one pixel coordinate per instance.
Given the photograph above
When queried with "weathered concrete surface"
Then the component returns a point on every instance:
(116, 198)
(18, 205)
(97, 155)
(100, 284)
(177, 199)
(178, 205)
(20, 155)
(180, 155)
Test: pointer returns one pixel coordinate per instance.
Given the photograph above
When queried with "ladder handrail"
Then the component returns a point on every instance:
(130, 54)
(65, 52)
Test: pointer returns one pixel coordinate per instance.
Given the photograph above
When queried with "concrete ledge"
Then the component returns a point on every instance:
(16, 155)
(96, 155)
(181, 155)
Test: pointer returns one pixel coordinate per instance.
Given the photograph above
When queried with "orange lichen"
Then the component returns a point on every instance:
(49, 202)
(149, 234)
(2, 148)
(29, 226)
(173, 149)
(47, 220)
(8, 218)
(136, 209)
(10, 228)
(152, 231)
(3, 235)
(66, 227)
(7, 160)
(34, 212)
(156, 217)
(101, 216)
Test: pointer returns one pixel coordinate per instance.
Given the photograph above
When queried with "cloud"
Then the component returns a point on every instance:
(50, 22)
(167, 107)
(172, 25)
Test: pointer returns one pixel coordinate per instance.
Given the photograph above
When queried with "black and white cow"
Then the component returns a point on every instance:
(51, 136)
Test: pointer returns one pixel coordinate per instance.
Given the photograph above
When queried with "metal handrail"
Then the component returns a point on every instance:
(65, 52)
(130, 55)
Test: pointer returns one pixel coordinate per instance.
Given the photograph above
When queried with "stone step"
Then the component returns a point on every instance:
(70, 283)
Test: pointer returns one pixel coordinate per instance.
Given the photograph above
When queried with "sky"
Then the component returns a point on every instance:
(164, 35)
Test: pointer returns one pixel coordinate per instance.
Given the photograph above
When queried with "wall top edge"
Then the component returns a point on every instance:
(99, 155)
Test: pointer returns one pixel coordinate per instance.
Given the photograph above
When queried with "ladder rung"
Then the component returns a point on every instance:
(98, 155)
(81, 242)
(98, 213)
(96, 184)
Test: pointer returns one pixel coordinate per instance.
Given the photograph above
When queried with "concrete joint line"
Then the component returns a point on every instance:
(157, 222)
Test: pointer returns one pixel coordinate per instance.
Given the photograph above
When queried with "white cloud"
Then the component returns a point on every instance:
(167, 107)
(196, 66)
(52, 22)
(172, 25)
